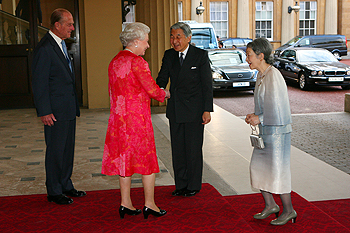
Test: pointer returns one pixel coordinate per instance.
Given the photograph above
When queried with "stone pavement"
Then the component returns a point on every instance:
(326, 136)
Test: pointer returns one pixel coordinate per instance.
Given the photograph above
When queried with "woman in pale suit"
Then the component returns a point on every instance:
(270, 167)
(129, 146)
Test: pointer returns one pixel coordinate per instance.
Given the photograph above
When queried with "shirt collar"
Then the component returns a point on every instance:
(57, 39)
(185, 51)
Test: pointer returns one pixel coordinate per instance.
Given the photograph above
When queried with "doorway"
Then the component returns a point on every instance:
(22, 25)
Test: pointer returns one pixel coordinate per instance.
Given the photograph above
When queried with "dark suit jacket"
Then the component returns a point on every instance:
(53, 82)
(190, 84)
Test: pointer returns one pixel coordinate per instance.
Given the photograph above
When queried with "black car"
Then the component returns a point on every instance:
(230, 70)
(239, 43)
(311, 66)
(336, 44)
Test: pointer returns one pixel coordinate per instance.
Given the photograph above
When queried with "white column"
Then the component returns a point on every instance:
(243, 24)
(331, 17)
(288, 21)
(194, 16)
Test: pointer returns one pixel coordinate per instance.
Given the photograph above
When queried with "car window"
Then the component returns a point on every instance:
(204, 38)
(246, 41)
(315, 56)
(227, 58)
(285, 54)
(228, 42)
(238, 42)
(293, 41)
(304, 42)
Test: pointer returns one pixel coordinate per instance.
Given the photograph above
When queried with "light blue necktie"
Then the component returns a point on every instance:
(64, 47)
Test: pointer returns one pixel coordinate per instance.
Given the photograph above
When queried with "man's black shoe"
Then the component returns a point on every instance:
(60, 199)
(75, 193)
(178, 192)
(190, 193)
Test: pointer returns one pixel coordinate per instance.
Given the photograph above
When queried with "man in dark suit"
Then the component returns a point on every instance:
(57, 105)
(189, 107)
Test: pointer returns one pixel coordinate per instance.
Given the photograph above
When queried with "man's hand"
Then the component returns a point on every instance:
(206, 118)
(167, 94)
(48, 119)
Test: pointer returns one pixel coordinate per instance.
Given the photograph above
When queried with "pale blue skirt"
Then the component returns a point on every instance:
(270, 167)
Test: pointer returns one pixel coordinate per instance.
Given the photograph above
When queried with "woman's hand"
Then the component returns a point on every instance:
(167, 94)
(252, 119)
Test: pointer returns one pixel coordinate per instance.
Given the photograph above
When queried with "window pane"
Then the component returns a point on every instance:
(268, 33)
(258, 15)
(307, 17)
(263, 19)
(219, 17)
(258, 6)
(307, 5)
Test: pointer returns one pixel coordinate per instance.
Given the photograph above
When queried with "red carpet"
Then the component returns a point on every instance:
(208, 211)
(310, 217)
(338, 209)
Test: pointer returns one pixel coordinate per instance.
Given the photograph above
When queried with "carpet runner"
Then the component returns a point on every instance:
(310, 218)
(208, 211)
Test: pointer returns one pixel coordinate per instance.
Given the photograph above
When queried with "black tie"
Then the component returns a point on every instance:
(181, 58)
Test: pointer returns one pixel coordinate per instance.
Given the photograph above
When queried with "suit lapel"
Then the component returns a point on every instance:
(60, 54)
(186, 65)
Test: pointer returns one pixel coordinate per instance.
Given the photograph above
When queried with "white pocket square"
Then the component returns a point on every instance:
(193, 67)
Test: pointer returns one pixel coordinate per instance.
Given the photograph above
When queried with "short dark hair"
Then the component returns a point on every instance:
(262, 45)
(184, 26)
(57, 15)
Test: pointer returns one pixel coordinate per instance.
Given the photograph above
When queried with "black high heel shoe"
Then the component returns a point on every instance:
(123, 210)
(147, 211)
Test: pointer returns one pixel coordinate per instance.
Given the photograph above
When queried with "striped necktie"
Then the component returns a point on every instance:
(181, 58)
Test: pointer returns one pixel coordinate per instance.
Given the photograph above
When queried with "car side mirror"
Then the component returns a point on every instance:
(292, 59)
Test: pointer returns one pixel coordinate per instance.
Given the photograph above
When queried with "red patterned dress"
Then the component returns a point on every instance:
(129, 146)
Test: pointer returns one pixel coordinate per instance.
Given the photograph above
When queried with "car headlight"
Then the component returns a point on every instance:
(319, 73)
(348, 72)
(217, 75)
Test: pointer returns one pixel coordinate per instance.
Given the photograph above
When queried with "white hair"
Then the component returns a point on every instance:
(132, 32)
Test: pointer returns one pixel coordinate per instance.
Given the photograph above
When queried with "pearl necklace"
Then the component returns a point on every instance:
(129, 50)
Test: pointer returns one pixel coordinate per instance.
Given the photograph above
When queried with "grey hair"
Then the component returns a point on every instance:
(184, 26)
(132, 32)
(262, 45)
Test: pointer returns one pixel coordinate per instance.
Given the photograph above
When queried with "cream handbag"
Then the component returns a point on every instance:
(255, 139)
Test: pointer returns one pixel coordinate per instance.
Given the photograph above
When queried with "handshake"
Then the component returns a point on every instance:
(167, 94)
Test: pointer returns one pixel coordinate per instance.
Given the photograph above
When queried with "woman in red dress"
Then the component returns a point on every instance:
(129, 146)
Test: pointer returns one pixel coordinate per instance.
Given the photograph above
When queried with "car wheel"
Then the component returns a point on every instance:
(337, 55)
(347, 87)
(302, 82)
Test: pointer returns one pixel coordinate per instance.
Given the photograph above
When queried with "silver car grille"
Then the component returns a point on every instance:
(238, 75)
